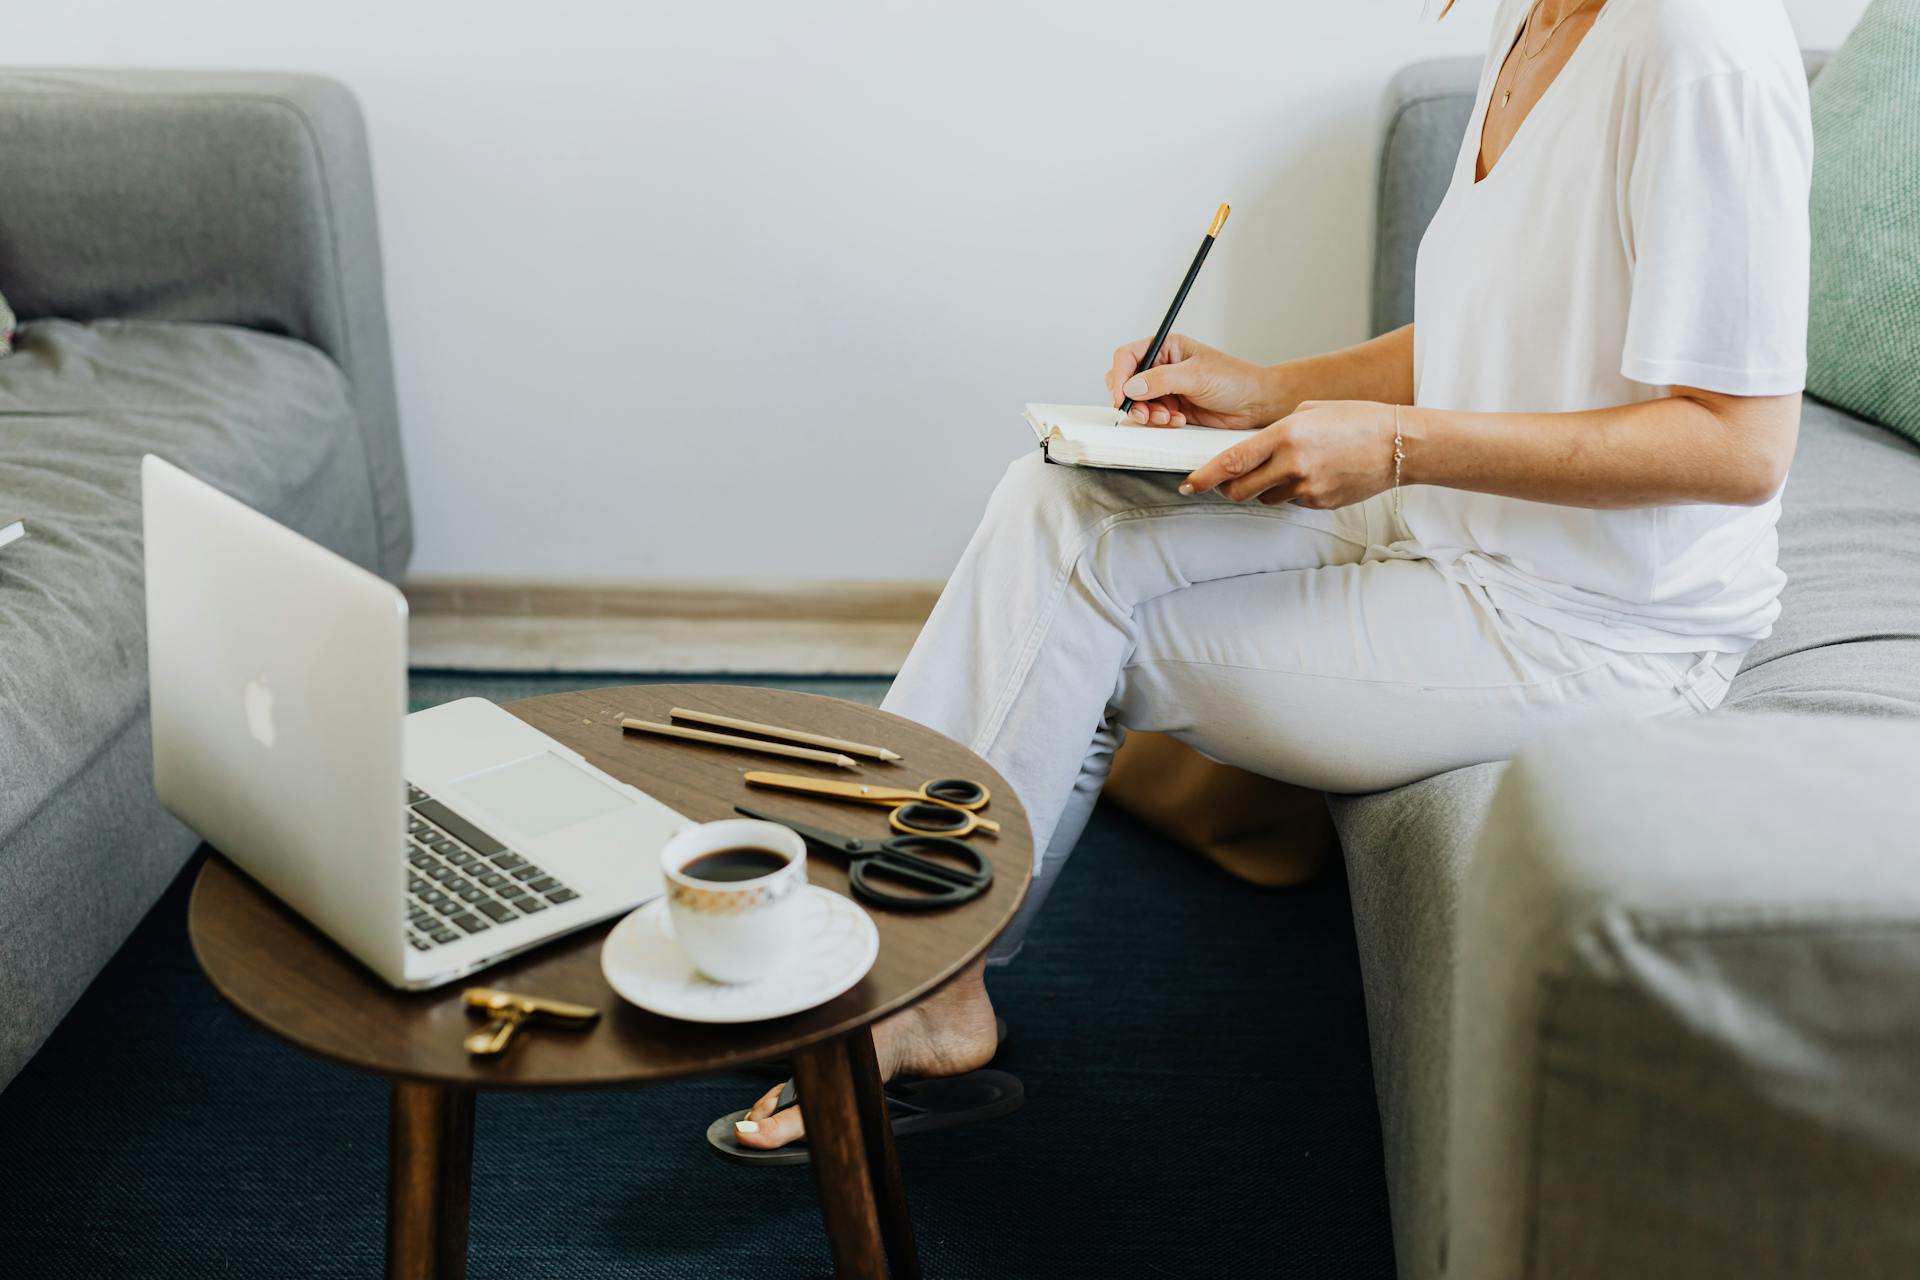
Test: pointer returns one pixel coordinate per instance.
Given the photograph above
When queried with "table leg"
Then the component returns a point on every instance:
(429, 1176)
(836, 1135)
(883, 1164)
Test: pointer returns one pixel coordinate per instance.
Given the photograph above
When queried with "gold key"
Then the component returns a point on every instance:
(493, 1037)
(507, 1011)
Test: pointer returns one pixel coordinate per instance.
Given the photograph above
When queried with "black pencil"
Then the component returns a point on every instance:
(1173, 312)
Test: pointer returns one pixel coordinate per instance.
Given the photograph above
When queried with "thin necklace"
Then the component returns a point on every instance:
(1529, 56)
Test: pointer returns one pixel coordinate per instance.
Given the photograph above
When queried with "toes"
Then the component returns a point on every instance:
(767, 1103)
(764, 1128)
(774, 1131)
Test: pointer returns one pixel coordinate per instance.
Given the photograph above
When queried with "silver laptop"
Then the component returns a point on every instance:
(428, 845)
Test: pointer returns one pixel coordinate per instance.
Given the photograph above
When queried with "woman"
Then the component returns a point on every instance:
(1550, 499)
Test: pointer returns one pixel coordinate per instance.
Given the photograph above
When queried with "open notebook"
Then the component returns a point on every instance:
(1079, 435)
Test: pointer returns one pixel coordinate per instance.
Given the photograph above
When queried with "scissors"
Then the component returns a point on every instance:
(903, 860)
(942, 807)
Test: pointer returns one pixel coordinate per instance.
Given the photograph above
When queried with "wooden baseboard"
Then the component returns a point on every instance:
(739, 626)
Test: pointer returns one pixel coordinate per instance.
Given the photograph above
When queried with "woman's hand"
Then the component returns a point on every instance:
(1191, 382)
(1327, 453)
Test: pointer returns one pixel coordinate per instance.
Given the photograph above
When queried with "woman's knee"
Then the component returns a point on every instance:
(1035, 493)
(1031, 483)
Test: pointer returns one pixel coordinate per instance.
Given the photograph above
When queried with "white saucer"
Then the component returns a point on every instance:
(644, 964)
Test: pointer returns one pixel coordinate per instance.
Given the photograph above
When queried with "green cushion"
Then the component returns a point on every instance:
(1863, 346)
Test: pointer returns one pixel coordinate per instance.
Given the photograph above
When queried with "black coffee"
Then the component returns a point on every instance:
(743, 863)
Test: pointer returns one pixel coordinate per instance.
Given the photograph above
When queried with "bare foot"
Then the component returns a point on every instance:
(947, 1034)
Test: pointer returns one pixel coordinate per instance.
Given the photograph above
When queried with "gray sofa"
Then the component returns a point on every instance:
(1646, 1001)
(195, 263)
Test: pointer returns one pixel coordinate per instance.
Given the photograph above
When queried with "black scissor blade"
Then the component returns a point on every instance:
(819, 835)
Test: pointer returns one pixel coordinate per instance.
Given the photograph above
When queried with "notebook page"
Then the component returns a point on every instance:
(1095, 436)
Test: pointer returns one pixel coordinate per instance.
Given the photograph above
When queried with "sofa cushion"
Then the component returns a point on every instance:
(6, 326)
(265, 418)
(1864, 352)
(1848, 638)
(213, 197)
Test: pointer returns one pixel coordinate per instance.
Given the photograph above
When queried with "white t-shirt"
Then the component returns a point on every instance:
(1646, 227)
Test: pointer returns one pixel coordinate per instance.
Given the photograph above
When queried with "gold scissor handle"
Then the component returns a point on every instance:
(864, 792)
(974, 822)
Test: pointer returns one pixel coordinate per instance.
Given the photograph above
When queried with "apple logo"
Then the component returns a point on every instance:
(259, 701)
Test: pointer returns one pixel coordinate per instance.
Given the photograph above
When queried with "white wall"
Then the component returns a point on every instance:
(753, 288)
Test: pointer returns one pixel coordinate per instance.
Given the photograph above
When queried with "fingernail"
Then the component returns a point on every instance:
(745, 1126)
(1136, 386)
(1138, 411)
(1186, 489)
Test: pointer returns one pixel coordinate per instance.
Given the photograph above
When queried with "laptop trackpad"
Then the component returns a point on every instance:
(541, 794)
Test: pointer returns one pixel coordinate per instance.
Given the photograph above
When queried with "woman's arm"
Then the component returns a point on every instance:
(1332, 444)
(1192, 382)
(1380, 370)
(1693, 446)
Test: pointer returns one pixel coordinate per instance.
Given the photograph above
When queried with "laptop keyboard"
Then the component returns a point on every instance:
(462, 881)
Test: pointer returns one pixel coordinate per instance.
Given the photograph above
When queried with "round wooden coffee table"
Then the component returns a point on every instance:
(287, 977)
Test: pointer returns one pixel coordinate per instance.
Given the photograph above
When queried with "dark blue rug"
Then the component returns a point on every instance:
(1198, 1104)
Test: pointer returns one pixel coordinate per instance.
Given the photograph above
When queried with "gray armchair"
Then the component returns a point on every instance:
(196, 267)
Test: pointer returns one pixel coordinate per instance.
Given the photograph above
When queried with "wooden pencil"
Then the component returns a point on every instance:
(1173, 312)
(789, 735)
(739, 744)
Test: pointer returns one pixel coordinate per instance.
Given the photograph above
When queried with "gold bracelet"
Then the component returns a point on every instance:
(1399, 456)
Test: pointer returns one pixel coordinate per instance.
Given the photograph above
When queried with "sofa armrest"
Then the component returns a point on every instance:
(225, 197)
(1687, 1011)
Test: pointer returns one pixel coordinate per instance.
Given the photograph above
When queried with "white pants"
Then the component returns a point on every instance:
(1317, 647)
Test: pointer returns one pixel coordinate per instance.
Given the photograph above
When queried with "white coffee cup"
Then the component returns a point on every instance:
(735, 930)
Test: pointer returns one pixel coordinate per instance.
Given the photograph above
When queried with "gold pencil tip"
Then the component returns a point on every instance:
(1219, 219)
